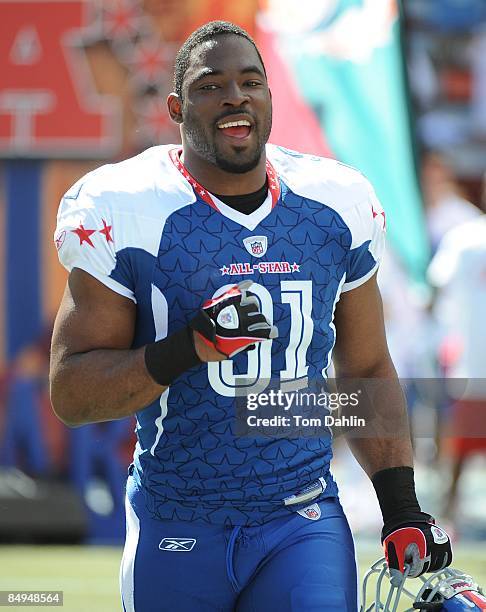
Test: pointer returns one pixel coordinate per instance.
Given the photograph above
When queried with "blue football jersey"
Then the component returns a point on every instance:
(148, 231)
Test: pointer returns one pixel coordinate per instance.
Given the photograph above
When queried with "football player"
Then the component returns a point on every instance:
(198, 274)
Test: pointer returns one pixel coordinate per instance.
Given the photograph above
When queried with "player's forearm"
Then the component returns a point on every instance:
(375, 454)
(385, 441)
(101, 385)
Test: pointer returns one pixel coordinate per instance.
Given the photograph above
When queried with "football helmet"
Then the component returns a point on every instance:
(448, 590)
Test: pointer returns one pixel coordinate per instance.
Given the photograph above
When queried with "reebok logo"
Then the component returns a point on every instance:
(177, 544)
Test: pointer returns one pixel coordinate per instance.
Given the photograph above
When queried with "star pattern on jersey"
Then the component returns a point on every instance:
(201, 469)
(84, 234)
(106, 231)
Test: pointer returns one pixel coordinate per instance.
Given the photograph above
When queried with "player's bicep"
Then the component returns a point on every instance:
(91, 316)
(360, 331)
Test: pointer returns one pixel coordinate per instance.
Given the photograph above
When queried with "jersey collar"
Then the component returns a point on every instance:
(272, 177)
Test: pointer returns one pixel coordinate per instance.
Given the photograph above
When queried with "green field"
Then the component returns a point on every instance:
(89, 575)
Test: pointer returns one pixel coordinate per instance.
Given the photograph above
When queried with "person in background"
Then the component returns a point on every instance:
(458, 272)
(445, 204)
(25, 385)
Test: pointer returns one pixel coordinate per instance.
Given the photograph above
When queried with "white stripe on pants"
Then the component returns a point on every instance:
(128, 559)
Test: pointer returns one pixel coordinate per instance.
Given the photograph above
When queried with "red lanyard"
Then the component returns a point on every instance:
(273, 182)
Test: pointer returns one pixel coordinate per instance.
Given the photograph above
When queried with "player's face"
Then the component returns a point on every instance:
(225, 83)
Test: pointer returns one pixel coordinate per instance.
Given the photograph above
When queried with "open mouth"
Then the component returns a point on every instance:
(236, 129)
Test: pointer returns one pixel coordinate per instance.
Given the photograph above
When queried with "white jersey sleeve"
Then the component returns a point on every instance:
(367, 223)
(85, 236)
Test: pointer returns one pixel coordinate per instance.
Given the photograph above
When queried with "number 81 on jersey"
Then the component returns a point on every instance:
(298, 294)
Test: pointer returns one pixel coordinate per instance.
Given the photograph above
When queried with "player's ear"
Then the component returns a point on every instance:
(174, 105)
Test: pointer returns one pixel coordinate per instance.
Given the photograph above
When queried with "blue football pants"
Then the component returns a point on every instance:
(289, 564)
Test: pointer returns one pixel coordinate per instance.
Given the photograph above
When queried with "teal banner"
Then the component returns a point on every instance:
(346, 58)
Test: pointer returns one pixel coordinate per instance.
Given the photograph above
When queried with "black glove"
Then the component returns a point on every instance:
(418, 542)
(409, 536)
(232, 322)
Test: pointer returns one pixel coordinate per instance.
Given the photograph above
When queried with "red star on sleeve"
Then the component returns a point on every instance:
(106, 231)
(84, 234)
(382, 213)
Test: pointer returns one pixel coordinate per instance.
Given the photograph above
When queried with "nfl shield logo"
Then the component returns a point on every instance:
(228, 318)
(256, 248)
(311, 512)
(256, 245)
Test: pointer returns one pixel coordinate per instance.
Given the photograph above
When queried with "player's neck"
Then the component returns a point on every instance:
(218, 181)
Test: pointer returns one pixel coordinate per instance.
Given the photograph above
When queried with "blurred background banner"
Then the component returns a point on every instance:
(87, 80)
(346, 57)
(81, 82)
(84, 82)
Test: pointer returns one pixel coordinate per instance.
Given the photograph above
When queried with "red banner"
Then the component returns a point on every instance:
(48, 102)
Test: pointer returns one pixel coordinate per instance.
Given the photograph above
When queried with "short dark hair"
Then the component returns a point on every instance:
(208, 31)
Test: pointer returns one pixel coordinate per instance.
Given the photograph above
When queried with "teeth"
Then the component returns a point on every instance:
(244, 122)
